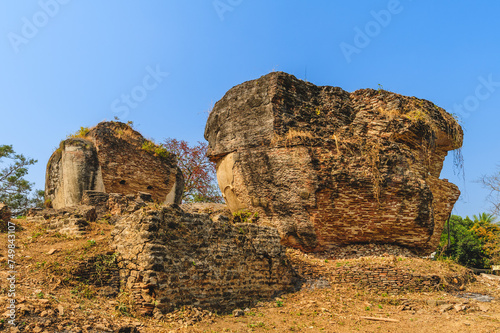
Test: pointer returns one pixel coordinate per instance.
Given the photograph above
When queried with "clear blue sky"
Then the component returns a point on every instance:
(68, 63)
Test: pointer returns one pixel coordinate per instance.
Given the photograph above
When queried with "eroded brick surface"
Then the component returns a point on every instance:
(328, 167)
(110, 158)
(169, 258)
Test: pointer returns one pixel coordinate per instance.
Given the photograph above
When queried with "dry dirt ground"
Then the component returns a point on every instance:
(51, 298)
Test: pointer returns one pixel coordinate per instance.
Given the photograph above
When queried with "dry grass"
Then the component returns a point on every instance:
(391, 114)
(339, 308)
(125, 133)
(292, 137)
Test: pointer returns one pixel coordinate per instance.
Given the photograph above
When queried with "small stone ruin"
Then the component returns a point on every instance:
(111, 158)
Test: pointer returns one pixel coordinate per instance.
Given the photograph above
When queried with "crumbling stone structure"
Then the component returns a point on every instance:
(112, 158)
(71, 221)
(328, 167)
(74, 220)
(169, 258)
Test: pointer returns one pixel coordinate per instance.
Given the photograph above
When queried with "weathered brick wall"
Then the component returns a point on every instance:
(115, 204)
(129, 169)
(392, 280)
(387, 279)
(71, 221)
(327, 167)
(169, 258)
(74, 220)
(382, 273)
(110, 158)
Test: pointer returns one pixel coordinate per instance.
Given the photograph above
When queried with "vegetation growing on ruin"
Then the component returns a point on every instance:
(81, 133)
(155, 150)
(245, 216)
(292, 137)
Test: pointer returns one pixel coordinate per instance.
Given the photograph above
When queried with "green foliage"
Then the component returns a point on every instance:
(473, 243)
(47, 203)
(380, 88)
(81, 133)
(123, 309)
(155, 149)
(83, 290)
(245, 216)
(15, 190)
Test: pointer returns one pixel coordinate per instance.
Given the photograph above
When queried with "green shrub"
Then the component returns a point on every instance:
(155, 149)
(245, 216)
(470, 241)
(81, 133)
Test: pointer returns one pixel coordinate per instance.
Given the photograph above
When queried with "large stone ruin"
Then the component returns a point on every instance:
(112, 158)
(167, 255)
(328, 167)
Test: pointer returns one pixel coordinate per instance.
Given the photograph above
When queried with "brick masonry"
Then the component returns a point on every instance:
(169, 258)
(110, 158)
(327, 167)
(391, 280)
(74, 220)
(71, 221)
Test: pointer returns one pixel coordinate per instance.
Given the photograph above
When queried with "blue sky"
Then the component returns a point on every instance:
(69, 63)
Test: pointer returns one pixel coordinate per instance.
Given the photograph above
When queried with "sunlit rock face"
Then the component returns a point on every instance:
(110, 158)
(328, 167)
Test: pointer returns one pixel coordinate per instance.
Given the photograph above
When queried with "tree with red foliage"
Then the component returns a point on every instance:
(200, 180)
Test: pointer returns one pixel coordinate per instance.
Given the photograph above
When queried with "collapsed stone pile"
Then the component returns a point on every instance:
(353, 251)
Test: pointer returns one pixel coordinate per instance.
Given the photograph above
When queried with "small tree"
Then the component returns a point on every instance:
(200, 180)
(14, 189)
(493, 184)
(474, 242)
